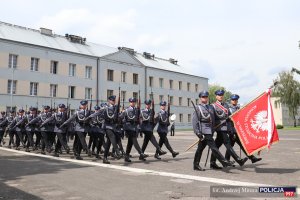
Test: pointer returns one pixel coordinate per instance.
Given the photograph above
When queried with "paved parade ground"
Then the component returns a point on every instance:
(35, 176)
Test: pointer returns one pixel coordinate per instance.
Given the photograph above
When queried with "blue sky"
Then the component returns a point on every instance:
(241, 45)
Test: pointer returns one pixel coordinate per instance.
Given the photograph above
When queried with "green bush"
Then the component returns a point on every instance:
(279, 126)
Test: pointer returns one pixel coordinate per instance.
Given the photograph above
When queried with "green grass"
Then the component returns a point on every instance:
(291, 128)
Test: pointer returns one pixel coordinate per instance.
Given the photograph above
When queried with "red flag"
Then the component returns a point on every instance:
(255, 124)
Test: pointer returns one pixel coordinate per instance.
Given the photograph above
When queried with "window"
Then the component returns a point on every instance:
(161, 82)
(88, 72)
(135, 79)
(53, 90)
(110, 75)
(123, 77)
(88, 93)
(11, 87)
(188, 102)
(72, 69)
(71, 92)
(12, 61)
(34, 64)
(53, 67)
(171, 84)
(110, 93)
(151, 81)
(161, 98)
(171, 100)
(135, 95)
(189, 118)
(188, 85)
(196, 87)
(180, 117)
(180, 101)
(180, 85)
(33, 88)
(123, 95)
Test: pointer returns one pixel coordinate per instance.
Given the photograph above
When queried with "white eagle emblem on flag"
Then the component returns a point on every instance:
(260, 121)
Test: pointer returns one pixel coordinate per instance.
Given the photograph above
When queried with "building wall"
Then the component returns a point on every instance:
(117, 62)
(24, 75)
(281, 114)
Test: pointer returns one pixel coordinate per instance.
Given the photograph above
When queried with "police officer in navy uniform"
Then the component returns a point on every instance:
(97, 130)
(60, 117)
(233, 107)
(31, 124)
(110, 116)
(18, 125)
(203, 129)
(130, 125)
(222, 113)
(46, 128)
(11, 133)
(3, 123)
(147, 125)
(163, 122)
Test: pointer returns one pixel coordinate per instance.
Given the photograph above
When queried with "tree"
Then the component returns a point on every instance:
(212, 88)
(288, 91)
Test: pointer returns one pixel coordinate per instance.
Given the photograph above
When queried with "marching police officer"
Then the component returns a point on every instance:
(46, 128)
(11, 133)
(233, 107)
(18, 125)
(3, 123)
(130, 123)
(32, 121)
(96, 124)
(203, 120)
(147, 126)
(110, 116)
(222, 113)
(60, 117)
(163, 122)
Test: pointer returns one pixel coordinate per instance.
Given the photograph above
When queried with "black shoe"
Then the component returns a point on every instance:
(9, 146)
(127, 159)
(157, 156)
(68, 150)
(27, 150)
(56, 154)
(241, 162)
(174, 154)
(142, 157)
(43, 152)
(214, 165)
(79, 158)
(88, 152)
(198, 168)
(254, 159)
(18, 148)
(105, 161)
(98, 156)
(161, 152)
(227, 163)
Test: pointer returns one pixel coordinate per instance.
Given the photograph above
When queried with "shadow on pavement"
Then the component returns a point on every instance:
(8, 192)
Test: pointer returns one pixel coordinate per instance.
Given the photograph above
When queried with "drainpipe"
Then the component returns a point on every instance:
(97, 81)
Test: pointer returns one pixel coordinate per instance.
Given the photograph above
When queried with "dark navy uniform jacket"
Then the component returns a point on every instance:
(163, 121)
(3, 123)
(59, 119)
(49, 127)
(147, 123)
(221, 115)
(232, 110)
(206, 115)
(18, 119)
(109, 115)
(130, 119)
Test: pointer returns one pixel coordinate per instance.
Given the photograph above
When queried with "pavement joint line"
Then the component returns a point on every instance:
(143, 171)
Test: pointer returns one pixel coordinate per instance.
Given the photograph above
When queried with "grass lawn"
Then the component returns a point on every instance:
(291, 128)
